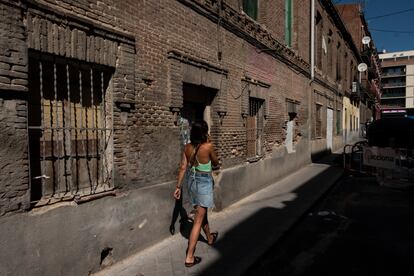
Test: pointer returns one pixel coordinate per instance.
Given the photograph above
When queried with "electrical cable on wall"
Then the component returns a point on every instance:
(390, 14)
(392, 31)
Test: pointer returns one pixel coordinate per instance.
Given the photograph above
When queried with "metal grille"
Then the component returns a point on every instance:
(254, 127)
(70, 128)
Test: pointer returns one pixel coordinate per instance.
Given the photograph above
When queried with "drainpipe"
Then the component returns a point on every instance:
(312, 39)
(312, 59)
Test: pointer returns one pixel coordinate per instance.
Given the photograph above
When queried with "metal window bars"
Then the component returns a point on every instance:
(70, 128)
(254, 127)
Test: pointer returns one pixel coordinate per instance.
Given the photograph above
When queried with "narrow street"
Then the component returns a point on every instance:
(359, 228)
(205, 137)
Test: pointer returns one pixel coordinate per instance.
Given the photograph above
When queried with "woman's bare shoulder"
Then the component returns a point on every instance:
(188, 147)
(208, 145)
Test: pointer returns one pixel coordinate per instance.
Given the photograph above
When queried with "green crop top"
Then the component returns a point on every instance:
(202, 167)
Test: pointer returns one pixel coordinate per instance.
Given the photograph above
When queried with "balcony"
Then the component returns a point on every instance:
(392, 74)
(393, 85)
(393, 93)
(370, 89)
(366, 56)
(392, 103)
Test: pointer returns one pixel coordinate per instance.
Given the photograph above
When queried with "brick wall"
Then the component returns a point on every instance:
(197, 38)
(351, 14)
(301, 27)
(13, 58)
(150, 45)
(14, 178)
(274, 18)
(147, 82)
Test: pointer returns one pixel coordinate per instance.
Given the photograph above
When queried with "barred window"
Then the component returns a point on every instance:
(70, 128)
(255, 127)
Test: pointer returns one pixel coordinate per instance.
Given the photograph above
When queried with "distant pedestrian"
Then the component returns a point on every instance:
(197, 159)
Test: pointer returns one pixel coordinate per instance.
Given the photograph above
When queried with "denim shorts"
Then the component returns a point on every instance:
(200, 189)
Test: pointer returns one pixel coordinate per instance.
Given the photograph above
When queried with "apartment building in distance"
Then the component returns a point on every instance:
(397, 98)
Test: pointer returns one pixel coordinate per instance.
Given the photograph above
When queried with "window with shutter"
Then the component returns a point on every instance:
(288, 22)
(250, 7)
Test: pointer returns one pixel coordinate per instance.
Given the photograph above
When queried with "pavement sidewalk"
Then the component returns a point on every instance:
(246, 229)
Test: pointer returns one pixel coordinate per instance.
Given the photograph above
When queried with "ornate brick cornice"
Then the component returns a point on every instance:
(196, 62)
(336, 18)
(61, 16)
(248, 29)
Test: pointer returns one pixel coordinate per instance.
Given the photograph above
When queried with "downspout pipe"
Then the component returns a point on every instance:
(312, 73)
(312, 40)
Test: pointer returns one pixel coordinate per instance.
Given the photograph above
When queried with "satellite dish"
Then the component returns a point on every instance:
(366, 40)
(362, 67)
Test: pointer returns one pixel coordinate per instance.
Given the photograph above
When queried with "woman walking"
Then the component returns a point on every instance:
(198, 158)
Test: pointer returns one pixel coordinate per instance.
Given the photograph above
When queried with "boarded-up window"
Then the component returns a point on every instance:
(254, 127)
(70, 128)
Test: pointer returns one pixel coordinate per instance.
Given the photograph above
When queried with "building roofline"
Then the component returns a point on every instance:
(333, 12)
(397, 54)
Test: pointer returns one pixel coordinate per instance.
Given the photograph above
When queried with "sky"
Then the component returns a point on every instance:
(394, 32)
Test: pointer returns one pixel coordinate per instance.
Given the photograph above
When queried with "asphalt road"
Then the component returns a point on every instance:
(359, 228)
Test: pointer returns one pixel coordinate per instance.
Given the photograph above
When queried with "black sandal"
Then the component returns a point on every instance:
(215, 235)
(197, 260)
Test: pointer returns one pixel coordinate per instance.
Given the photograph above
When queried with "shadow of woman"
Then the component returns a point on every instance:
(178, 210)
(186, 222)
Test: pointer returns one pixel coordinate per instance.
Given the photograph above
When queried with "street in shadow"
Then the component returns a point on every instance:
(246, 242)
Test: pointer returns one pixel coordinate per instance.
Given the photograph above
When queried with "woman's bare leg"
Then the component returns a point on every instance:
(195, 233)
(206, 229)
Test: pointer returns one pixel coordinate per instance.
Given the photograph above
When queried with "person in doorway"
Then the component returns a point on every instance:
(197, 159)
(179, 210)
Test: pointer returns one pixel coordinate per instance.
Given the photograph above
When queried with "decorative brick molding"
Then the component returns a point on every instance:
(195, 71)
(248, 29)
(63, 34)
(256, 89)
(72, 37)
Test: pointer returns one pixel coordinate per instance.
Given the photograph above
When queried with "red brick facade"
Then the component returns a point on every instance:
(151, 46)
